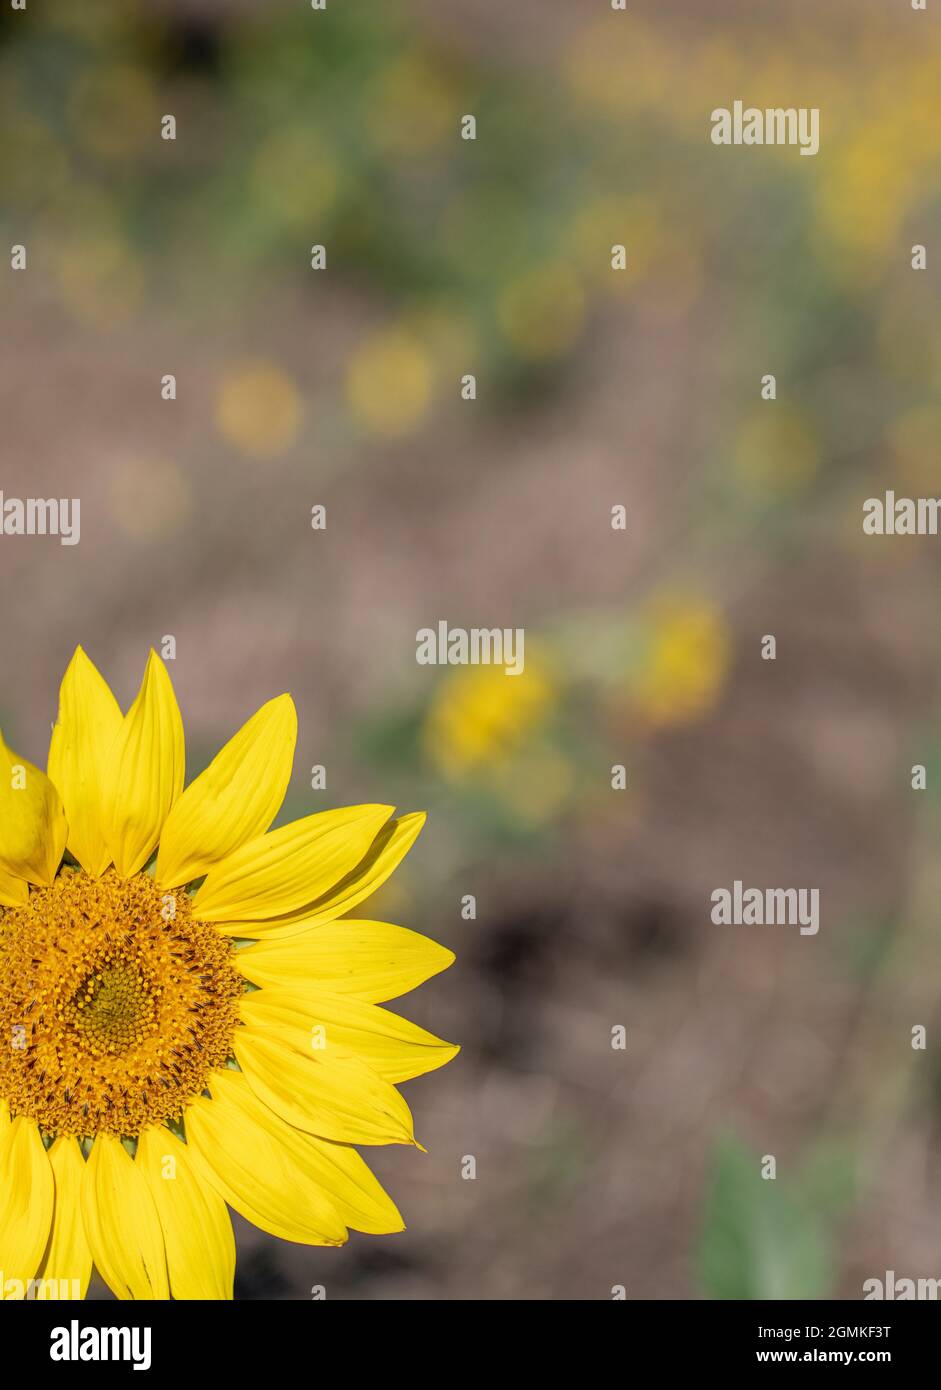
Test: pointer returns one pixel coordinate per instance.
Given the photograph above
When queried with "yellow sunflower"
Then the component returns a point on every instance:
(191, 1025)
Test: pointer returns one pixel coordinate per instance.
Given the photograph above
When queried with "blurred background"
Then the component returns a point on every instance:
(596, 1167)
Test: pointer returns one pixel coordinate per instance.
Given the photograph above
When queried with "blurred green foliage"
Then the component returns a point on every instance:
(770, 1238)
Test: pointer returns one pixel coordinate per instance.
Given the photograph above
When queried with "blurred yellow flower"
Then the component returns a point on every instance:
(883, 164)
(101, 281)
(480, 716)
(258, 409)
(149, 498)
(913, 441)
(542, 311)
(619, 64)
(867, 194)
(410, 107)
(389, 382)
(685, 660)
(777, 450)
(447, 332)
(294, 178)
(609, 220)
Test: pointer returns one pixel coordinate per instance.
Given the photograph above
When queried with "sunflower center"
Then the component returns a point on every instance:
(115, 1005)
(113, 1009)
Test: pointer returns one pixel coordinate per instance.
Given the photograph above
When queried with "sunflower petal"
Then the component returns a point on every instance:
(27, 1195)
(32, 822)
(121, 1223)
(390, 1045)
(197, 1229)
(372, 961)
(383, 856)
(350, 1184)
(80, 759)
(247, 1154)
(13, 891)
(148, 766)
(289, 866)
(323, 1090)
(68, 1257)
(234, 800)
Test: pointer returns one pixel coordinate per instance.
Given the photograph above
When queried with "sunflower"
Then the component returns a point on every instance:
(479, 717)
(187, 1016)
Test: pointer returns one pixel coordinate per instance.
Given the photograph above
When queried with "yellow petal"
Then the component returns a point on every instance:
(121, 1223)
(68, 1257)
(197, 1229)
(384, 855)
(390, 1045)
(26, 1200)
(234, 800)
(349, 1182)
(323, 1090)
(13, 891)
(279, 871)
(80, 762)
(247, 1154)
(32, 821)
(341, 1175)
(148, 764)
(372, 961)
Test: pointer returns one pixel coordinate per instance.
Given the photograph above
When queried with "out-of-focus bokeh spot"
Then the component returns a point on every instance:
(258, 409)
(389, 381)
(606, 221)
(480, 715)
(150, 498)
(542, 310)
(618, 68)
(101, 280)
(410, 107)
(294, 178)
(776, 450)
(685, 651)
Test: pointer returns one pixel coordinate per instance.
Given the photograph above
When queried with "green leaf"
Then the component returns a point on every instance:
(828, 1181)
(759, 1239)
